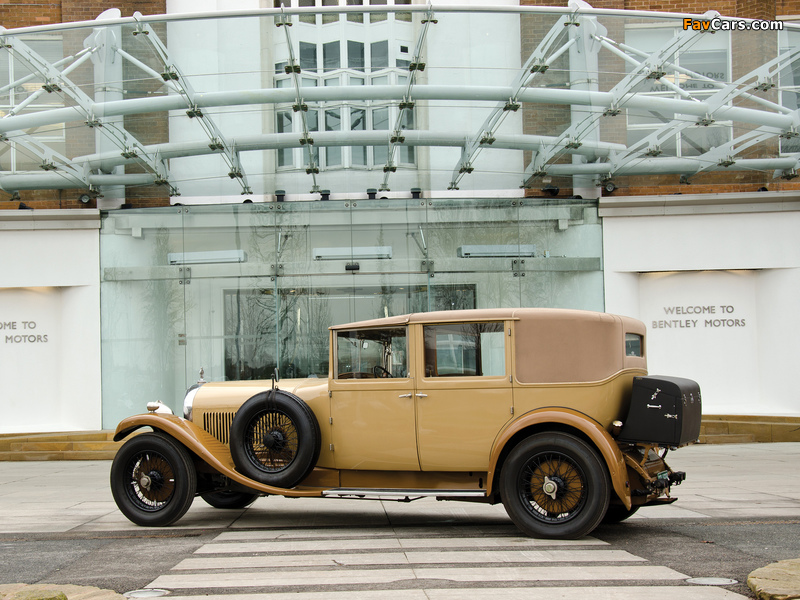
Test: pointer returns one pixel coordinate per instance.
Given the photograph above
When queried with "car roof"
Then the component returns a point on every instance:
(480, 314)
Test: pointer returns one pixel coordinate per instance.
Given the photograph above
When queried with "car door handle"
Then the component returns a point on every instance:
(404, 396)
(421, 395)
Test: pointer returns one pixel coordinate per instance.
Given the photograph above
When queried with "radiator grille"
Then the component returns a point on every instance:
(218, 424)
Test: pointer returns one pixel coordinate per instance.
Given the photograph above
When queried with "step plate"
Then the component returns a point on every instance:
(400, 493)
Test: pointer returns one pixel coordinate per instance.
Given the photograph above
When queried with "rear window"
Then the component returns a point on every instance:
(633, 345)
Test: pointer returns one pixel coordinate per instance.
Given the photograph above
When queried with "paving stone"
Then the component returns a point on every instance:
(778, 581)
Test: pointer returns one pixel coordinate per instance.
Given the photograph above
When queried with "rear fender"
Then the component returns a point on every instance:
(207, 448)
(565, 419)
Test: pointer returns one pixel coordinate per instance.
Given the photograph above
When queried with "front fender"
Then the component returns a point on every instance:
(207, 448)
(538, 420)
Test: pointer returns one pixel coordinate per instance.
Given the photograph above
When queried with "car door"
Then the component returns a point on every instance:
(463, 393)
(373, 425)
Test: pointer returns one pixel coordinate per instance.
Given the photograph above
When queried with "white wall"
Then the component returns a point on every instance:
(717, 286)
(49, 321)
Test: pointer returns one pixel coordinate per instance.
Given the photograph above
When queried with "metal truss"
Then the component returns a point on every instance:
(406, 105)
(759, 79)
(299, 106)
(651, 68)
(575, 34)
(175, 79)
(57, 82)
(538, 63)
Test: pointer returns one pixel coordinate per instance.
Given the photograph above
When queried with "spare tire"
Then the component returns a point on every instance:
(275, 439)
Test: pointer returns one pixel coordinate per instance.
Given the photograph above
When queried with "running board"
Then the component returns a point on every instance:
(378, 493)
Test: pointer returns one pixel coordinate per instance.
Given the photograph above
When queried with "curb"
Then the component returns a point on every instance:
(22, 591)
(778, 581)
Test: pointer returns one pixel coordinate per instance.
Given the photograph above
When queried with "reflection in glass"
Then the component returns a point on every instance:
(464, 350)
(358, 122)
(355, 55)
(333, 122)
(330, 56)
(308, 56)
(379, 55)
(284, 125)
(371, 353)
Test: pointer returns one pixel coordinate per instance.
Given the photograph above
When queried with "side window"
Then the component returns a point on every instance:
(371, 353)
(465, 349)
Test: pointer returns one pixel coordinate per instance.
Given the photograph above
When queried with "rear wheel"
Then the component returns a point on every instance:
(617, 513)
(554, 485)
(227, 499)
(153, 480)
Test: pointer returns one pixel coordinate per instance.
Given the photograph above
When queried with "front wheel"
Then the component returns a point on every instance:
(153, 480)
(554, 485)
(228, 499)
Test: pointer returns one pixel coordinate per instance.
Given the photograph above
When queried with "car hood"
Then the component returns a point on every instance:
(222, 393)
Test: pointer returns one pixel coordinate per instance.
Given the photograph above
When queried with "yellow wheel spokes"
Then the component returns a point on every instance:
(274, 440)
(153, 478)
(556, 485)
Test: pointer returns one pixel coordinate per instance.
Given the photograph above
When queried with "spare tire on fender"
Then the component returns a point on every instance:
(275, 439)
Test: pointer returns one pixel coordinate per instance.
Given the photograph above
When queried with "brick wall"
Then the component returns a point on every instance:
(81, 140)
(788, 7)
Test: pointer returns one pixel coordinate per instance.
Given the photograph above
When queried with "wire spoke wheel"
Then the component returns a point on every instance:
(272, 440)
(275, 439)
(151, 480)
(555, 485)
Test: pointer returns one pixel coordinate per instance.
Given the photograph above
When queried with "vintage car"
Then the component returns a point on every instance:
(548, 411)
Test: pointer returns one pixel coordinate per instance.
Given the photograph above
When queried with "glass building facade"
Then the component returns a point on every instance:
(242, 289)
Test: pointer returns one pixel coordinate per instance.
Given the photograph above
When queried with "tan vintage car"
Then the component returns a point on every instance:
(548, 411)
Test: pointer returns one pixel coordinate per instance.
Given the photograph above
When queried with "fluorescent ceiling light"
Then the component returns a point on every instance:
(496, 251)
(347, 253)
(212, 256)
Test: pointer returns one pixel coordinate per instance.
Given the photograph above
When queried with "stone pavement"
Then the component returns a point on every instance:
(730, 481)
(19, 591)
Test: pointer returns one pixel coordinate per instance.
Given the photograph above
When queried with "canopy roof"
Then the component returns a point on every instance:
(224, 105)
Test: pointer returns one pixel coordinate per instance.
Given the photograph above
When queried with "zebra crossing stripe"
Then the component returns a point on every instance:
(324, 545)
(510, 532)
(386, 576)
(411, 558)
(505, 593)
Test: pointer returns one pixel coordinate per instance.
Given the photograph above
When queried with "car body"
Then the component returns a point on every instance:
(549, 411)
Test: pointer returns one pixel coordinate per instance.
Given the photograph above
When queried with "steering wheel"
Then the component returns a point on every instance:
(379, 371)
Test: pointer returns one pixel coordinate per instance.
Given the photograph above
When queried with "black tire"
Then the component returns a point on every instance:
(275, 439)
(554, 485)
(617, 513)
(226, 499)
(153, 480)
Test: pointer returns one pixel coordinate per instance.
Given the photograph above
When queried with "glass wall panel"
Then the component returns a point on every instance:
(143, 309)
(242, 289)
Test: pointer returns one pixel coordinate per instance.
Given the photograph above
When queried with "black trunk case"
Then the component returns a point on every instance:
(664, 411)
